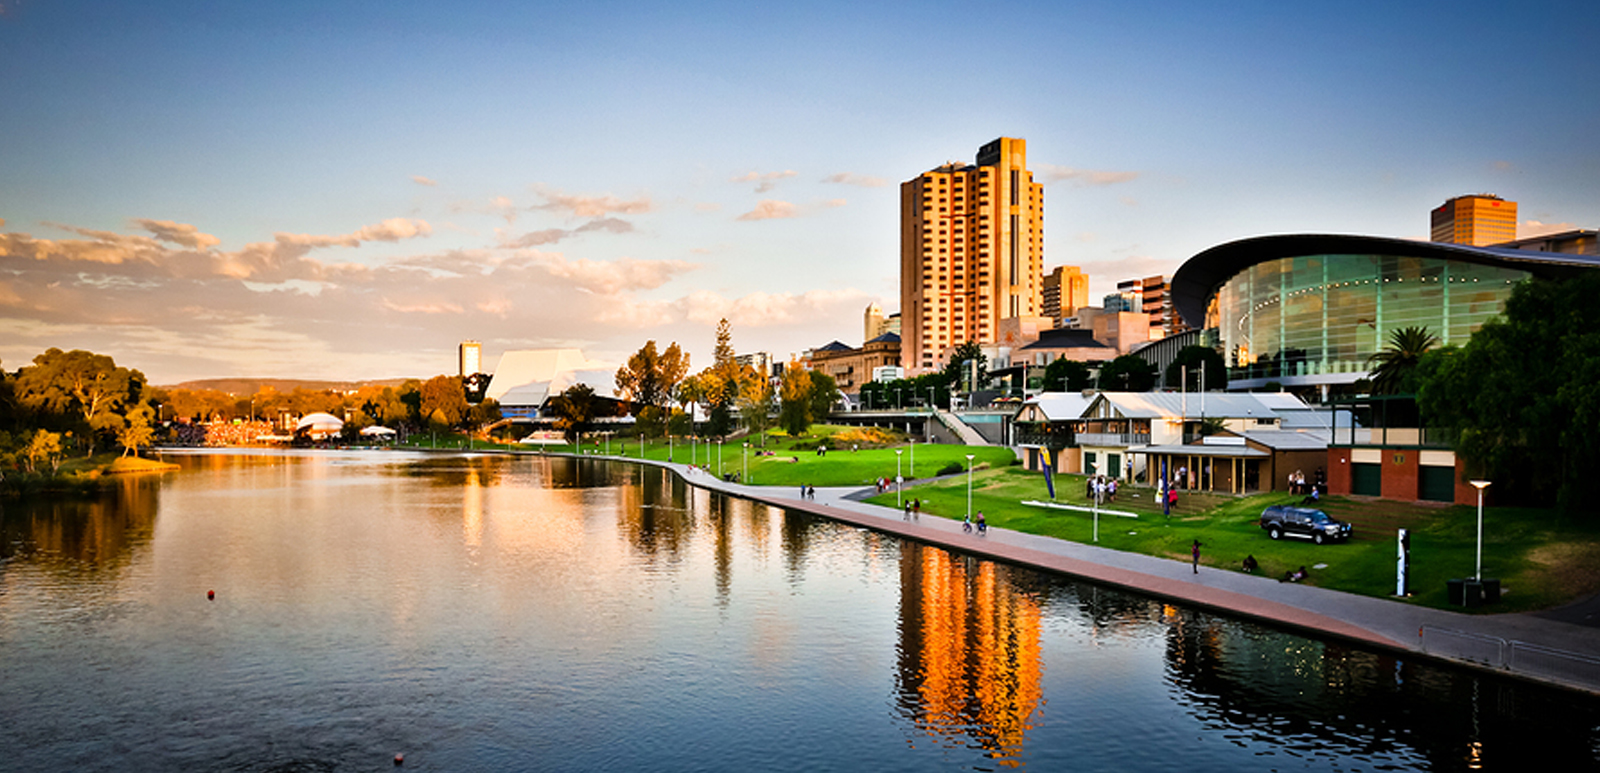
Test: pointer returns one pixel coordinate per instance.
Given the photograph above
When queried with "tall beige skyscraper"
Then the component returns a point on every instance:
(1479, 220)
(971, 251)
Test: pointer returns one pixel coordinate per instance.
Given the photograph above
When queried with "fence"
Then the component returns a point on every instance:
(1518, 657)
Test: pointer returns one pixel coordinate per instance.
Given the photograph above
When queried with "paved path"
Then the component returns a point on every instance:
(1383, 623)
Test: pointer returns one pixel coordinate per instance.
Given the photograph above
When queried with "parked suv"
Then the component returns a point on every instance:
(1314, 525)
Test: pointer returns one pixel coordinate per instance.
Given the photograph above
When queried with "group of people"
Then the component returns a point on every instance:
(1251, 566)
(914, 509)
(967, 522)
(884, 484)
(808, 493)
(1100, 489)
(1168, 494)
(1298, 484)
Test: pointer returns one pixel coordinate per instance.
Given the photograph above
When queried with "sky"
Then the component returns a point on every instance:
(347, 190)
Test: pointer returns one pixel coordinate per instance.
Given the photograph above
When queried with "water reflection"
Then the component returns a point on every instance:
(970, 662)
(101, 530)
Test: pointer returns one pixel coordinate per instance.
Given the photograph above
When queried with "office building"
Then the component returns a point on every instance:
(469, 357)
(1064, 291)
(1479, 220)
(875, 323)
(971, 252)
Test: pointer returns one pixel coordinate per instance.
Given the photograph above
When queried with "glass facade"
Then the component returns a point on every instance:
(1326, 314)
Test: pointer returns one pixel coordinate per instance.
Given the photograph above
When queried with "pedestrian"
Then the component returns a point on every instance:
(802, 491)
(1250, 564)
(983, 525)
(916, 509)
(966, 522)
(908, 511)
(1194, 554)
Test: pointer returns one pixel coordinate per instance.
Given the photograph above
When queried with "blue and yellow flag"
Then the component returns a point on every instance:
(1049, 469)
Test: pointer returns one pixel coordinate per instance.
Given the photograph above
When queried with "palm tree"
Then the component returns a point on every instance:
(1399, 358)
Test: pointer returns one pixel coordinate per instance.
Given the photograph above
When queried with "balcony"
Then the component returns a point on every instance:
(1109, 439)
(1042, 434)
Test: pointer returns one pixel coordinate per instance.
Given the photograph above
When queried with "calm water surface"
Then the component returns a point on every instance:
(493, 613)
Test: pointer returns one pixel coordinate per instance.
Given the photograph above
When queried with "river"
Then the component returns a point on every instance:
(482, 612)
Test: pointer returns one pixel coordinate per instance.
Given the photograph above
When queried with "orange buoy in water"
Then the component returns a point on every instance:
(211, 595)
(399, 759)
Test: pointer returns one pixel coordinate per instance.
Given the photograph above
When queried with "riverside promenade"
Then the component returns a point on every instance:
(1522, 645)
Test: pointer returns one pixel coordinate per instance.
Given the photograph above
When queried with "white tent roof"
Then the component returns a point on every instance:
(371, 431)
(320, 422)
(529, 376)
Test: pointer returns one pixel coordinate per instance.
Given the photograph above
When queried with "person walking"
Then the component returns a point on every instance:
(1194, 554)
(983, 525)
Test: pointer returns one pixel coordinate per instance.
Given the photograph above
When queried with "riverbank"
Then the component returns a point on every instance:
(1518, 645)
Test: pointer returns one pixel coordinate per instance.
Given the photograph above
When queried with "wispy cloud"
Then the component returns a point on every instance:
(1533, 228)
(420, 180)
(181, 234)
(592, 206)
(860, 180)
(770, 209)
(764, 181)
(1083, 177)
(553, 235)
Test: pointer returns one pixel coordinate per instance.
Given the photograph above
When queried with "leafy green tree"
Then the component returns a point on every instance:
(1398, 360)
(1193, 357)
(824, 395)
(1522, 397)
(43, 447)
(959, 369)
(1128, 373)
(84, 386)
(1067, 375)
(757, 401)
(573, 409)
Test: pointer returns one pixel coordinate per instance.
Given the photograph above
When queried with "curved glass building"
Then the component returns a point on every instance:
(1311, 309)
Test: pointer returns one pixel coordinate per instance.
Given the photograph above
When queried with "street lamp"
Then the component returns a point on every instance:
(898, 405)
(897, 478)
(969, 487)
(1480, 485)
(913, 443)
(719, 457)
(745, 455)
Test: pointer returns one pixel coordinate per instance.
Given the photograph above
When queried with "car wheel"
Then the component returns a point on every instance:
(1274, 533)
(1317, 538)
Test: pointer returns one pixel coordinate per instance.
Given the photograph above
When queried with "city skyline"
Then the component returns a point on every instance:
(347, 193)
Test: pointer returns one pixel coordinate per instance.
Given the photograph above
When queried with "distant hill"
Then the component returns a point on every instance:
(249, 386)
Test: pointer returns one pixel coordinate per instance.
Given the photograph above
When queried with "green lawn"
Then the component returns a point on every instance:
(1541, 561)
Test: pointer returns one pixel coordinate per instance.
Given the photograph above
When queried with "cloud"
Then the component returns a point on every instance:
(593, 206)
(181, 234)
(1533, 228)
(553, 235)
(835, 203)
(851, 178)
(1504, 166)
(770, 209)
(1083, 178)
(420, 180)
(769, 309)
(764, 182)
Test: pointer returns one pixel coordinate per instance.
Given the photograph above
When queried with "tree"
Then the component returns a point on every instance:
(756, 404)
(1128, 373)
(573, 409)
(444, 400)
(794, 400)
(138, 431)
(960, 368)
(82, 385)
(824, 394)
(1522, 397)
(43, 447)
(1192, 357)
(1399, 359)
(1068, 376)
(648, 378)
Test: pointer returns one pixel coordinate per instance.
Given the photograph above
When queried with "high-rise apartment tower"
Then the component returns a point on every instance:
(1065, 290)
(470, 357)
(971, 251)
(1479, 220)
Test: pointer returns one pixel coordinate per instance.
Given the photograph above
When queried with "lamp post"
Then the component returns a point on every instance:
(933, 399)
(913, 443)
(898, 404)
(719, 457)
(745, 455)
(969, 487)
(897, 478)
(669, 447)
(1480, 485)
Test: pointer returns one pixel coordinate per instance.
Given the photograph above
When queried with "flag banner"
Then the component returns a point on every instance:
(1049, 477)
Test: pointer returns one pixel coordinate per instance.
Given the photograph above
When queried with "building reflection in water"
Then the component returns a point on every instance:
(969, 660)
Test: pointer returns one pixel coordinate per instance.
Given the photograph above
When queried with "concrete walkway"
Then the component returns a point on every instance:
(1522, 645)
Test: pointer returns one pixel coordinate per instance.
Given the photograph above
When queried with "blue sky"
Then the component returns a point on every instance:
(346, 190)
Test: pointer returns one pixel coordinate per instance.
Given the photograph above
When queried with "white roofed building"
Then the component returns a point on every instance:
(526, 378)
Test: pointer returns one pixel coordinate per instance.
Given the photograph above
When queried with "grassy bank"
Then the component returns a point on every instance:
(1541, 561)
